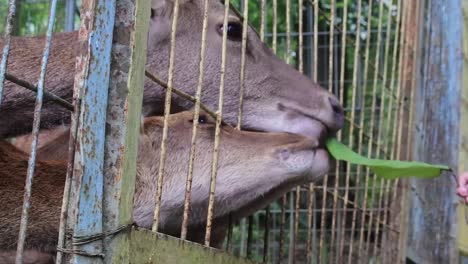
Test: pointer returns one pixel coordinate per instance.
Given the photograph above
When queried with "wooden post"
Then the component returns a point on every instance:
(432, 236)
(109, 99)
(463, 159)
(123, 123)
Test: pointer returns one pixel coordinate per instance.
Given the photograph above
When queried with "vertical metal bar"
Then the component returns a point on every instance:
(311, 185)
(249, 236)
(361, 132)
(167, 110)
(288, 31)
(70, 10)
(340, 237)
(6, 47)
(296, 222)
(380, 127)
(188, 185)
(262, 20)
(309, 224)
(35, 132)
(214, 168)
(245, 27)
(330, 88)
(281, 232)
(357, 48)
(372, 121)
(266, 235)
(275, 25)
(267, 209)
(298, 188)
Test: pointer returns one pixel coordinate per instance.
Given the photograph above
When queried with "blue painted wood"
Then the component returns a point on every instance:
(96, 34)
(432, 236)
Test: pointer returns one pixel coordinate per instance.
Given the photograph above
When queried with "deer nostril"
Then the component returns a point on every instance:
(336, 106)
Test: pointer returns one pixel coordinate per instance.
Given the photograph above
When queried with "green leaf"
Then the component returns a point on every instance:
(388, 169)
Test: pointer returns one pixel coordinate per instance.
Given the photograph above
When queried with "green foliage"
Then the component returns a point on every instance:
(32, 17)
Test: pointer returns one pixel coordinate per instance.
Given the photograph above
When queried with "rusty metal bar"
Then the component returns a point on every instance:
(47, 96)
(330, 88)
(298, 188)
(275, 25)
(36, 123)
(335, 228)
(311, 185)
(70, 10)
(245, 28)
(309, 223)
(6, 45)
(262, 19)
(266, 234)
(372, 121)
(296, 222)
(361, 131)
(353, 112)
(384, 190)
(249, 236)
(214, 169)
(167, 110)
(188, 185)
(281, 232)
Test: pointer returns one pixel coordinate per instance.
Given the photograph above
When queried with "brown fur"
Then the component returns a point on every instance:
(277, 97)
(254, 169)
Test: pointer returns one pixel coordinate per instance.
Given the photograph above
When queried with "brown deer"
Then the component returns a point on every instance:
(254, 169)
(277, 97)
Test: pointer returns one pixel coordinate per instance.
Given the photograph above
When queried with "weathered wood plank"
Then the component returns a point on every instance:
(463, 159)
(149, 247)
(432, 234)
(123, 121)
(91, 89)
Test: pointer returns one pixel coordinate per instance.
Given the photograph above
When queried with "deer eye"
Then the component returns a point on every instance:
(202, 119)
(234, 30)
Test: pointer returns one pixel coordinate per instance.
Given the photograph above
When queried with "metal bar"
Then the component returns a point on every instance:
(275, 24)
(6, 44)
(262, 19)
(310, 243)
(361, 131)
(35, 131)
(296, 223)
(245, 28)
(48, 96)
(266, 235)
(372, 121)
(309, 224)
(188, 185)
(330, 88)
(167, 110)
(337, 178)
(351, 135)
(214, 169)
(385, 192)
(298, 188)
(282, 224)
(249, 236)
(70, 11)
